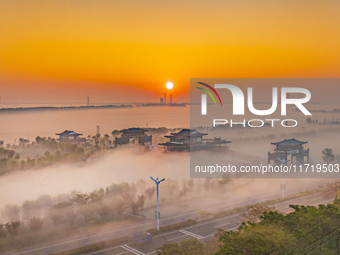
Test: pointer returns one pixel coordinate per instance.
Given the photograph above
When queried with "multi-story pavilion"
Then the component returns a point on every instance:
(134, 133)
(192, 140)
(70, 136)
(287, 147)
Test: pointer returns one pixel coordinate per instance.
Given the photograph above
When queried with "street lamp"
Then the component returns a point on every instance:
(157, 213)
(283, 161)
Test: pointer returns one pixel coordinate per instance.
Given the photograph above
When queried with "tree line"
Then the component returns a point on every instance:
(306, 230)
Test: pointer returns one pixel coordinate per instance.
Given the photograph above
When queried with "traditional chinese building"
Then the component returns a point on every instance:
(287, 147)
(192, 140)
(134, 133)
(70, 136)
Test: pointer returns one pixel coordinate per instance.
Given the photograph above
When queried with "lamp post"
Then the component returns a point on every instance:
(284, 162)
(157, 184)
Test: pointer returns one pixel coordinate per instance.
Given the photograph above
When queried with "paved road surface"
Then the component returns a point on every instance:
(204, 231)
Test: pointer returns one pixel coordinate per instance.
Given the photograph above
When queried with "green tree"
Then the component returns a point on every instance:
(71, 216)
(292, 233)
(134, 205)
(22, 164)
(120, 207)
(150, 192)
(81, 199)
(191, 185)
(328, 155)
(87, 211)
(11, 212)
(254, 239)
(27, 209)
(104, 211)
(80, 151)
(141, 200)
(36, 224)
(170, 249)
(47, 154)
(3, 231)
(56, 217)
(13, 227)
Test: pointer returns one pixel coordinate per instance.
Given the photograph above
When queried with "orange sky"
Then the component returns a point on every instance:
(113, 49)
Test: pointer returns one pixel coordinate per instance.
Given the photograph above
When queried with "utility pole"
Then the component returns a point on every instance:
(98, 130)
(157, 212)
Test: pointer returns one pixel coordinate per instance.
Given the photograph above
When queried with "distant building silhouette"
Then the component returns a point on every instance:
(70, 136)
(192, 140)
(134, 133)
(291, 147)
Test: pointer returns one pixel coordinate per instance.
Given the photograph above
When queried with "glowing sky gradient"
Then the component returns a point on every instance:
(129, 49)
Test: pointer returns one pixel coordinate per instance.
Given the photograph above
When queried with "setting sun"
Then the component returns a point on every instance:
(169, 85)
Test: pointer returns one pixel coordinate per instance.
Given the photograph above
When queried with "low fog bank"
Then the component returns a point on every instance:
(132, 163)
(128, 164)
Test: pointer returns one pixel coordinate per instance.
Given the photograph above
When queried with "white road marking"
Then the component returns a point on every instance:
(152, 252)
(123, 252)
(208, 236)
(177, 237)
(134, 251)
(222, 225)
(190, 234)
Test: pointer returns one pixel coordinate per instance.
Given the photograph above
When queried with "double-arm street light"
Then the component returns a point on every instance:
(157, 184)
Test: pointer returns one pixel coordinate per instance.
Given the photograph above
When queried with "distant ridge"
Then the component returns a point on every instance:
(159, 104)
(44, 108)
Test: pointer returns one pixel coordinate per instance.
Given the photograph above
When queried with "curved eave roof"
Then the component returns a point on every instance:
(188, 132)
(69, 132)
(291, 142)
(133, 130)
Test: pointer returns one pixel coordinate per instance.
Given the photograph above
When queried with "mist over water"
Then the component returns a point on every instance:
(131, 163)
(121, 165)
(47, 123)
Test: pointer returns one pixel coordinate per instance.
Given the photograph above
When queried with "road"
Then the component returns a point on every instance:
(202, 231)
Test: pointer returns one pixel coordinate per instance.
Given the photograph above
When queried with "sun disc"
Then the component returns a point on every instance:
(169, 85)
